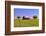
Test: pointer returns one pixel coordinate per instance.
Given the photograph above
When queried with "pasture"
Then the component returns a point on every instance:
(26, 23)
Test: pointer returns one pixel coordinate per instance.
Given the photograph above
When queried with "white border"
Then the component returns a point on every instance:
(25, 28)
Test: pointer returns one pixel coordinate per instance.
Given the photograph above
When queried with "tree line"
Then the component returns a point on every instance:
(34, 17)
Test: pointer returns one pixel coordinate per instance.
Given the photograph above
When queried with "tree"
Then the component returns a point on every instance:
(35, 17)
(23, 17)
(19, 20)
(18, 17)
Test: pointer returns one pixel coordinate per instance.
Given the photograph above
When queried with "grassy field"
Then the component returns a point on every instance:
(26, 23)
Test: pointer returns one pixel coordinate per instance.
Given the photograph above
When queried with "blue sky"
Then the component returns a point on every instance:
(25, 12)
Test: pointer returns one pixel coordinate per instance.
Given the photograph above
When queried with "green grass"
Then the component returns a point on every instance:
(26, 23)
